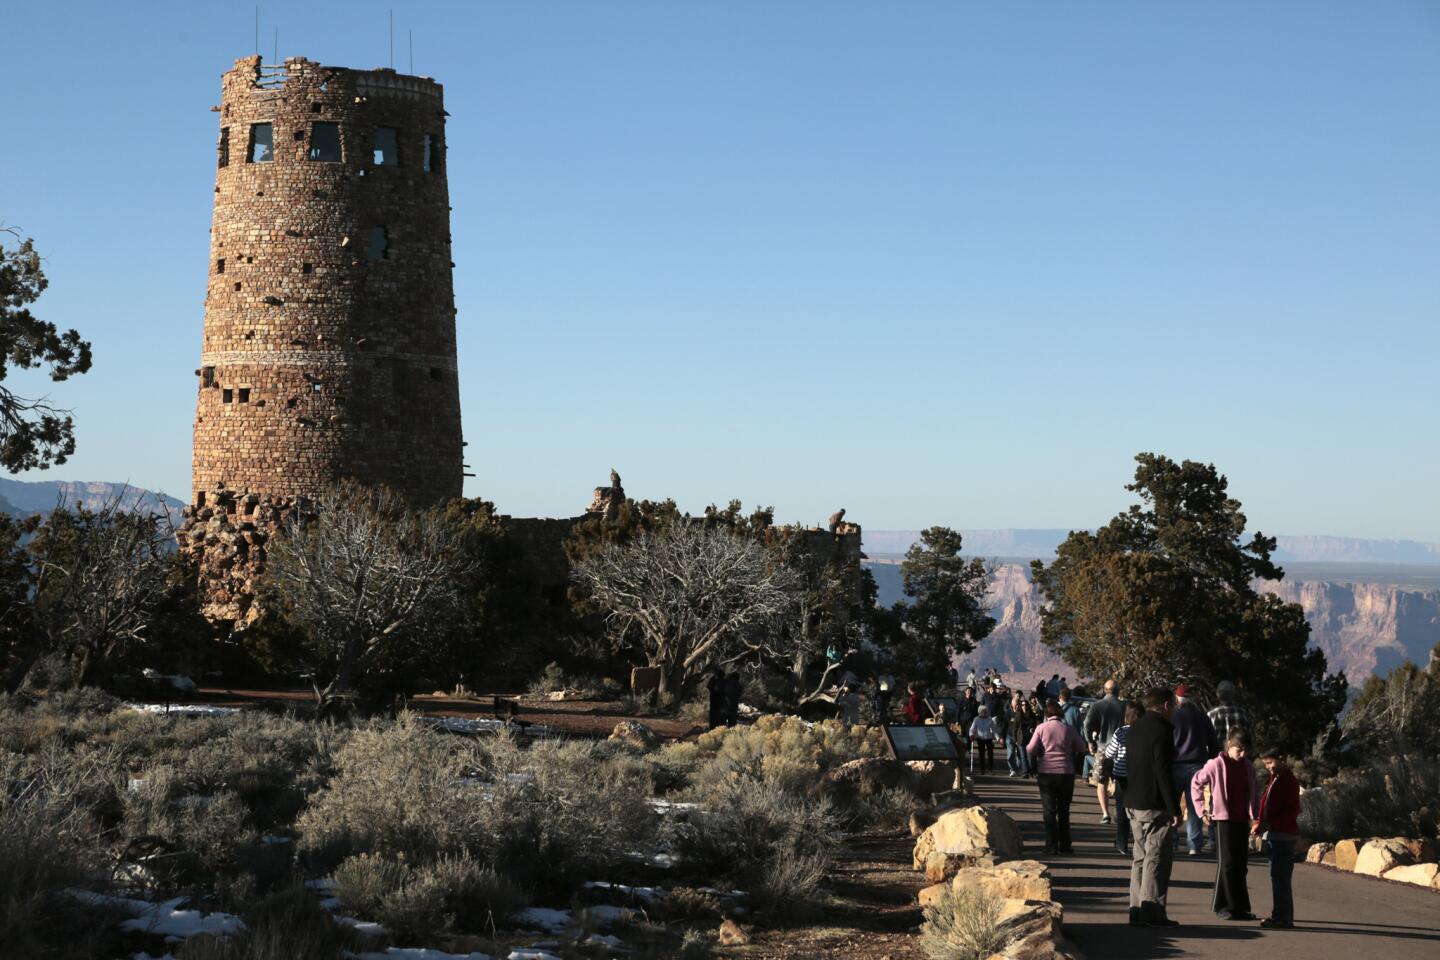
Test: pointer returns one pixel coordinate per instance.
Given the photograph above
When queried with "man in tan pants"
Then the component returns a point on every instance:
(1153, 806)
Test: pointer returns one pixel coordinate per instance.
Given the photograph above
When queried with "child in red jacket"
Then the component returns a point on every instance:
(1279, 825)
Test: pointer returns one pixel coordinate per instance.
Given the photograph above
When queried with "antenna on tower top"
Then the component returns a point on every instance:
(392, 38)
(412, 53)
(275, 50)
(257, 29)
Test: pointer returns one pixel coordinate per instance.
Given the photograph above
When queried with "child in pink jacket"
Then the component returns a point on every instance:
(1232, 806)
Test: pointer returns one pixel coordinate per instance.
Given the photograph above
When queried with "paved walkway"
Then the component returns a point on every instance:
(1337, 915)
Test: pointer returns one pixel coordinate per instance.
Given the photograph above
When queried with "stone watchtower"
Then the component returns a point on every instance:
(329, 344)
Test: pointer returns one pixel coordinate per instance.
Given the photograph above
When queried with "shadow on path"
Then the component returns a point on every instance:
(1361, 916)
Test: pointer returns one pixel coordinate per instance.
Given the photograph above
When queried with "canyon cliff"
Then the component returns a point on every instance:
(1362, 628)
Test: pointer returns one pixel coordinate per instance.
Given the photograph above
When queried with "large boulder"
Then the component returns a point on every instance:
(1012, 880)
(1420, 874)
(1424, 850)
(1347, 852)
(1317, 852)
(980, 835)
(932, 776)
(1032, 931)
(1378, 856)
(635, 734)
(870, 775)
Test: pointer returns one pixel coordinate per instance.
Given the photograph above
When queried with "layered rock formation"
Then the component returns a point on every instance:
(1362, 628)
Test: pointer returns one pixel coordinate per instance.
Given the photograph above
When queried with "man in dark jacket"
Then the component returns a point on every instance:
(969, 709)
(1101, 721)
(1195, 746)
(1153, 805)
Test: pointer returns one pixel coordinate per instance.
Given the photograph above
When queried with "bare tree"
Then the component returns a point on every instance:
(363, 579)
(689, 594)
(99, 578)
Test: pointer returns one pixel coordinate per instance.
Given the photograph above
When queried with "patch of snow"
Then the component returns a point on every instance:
(524, 954)
(604, 940)
(724, 894)
(132, 907)
(366, 928)
(416, 953)
(640, 893)
(543, 918)
(323, 885)
(745, 710)
(181, 683)
(608, 914)
(672, 806)
(167, 920)
(184, 709)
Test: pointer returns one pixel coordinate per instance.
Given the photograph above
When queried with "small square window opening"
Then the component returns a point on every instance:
(220, 265)
(431, 161)
(325, 142)
(377, 244)
(262, 143)
(387, 147)
(227, 395)
(244, 394)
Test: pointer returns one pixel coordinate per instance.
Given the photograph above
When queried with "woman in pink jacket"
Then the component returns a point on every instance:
(1233, 805)
(1056, 749)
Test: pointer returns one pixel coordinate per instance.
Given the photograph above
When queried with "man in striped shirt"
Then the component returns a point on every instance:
(1115, 753)
(1227, 716)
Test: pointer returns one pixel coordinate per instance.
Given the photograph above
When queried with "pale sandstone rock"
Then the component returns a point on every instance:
(1378, 856)
(932, 776)
(1014, 879)
(1033, 929)
(635, 734)
(1420, 874)
(731, 933)
(1317, 852)
(1346, 853)
(979, 834)
(870, 775)
(929, 896)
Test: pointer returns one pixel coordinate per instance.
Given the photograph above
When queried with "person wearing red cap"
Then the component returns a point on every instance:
(1195, 745)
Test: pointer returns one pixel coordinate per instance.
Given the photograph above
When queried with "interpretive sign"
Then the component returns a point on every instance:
(921, 743)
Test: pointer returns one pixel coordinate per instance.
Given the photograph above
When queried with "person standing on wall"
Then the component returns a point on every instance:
(1115, 769)
(1195, 745)
(1101, 721)
(1233, 806)
(1153, 805)
(1058, 749)
(1279, 827)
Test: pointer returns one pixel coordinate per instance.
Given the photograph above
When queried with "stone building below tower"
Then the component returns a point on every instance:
(328, 350)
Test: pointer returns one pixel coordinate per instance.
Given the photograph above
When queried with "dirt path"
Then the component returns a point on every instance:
(871, 913)
(1337, 914)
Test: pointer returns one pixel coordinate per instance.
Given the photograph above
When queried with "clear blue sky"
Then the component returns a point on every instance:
(937, 262)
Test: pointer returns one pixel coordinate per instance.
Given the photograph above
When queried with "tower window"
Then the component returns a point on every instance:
(220, 265)
(387, 147)
(207, 377)
(377, 244)
(262, 143)
(431, 161)
(244, 394)
(325, 142)
(224, 146)
(436, 373)
(306, 268)
(227, 395)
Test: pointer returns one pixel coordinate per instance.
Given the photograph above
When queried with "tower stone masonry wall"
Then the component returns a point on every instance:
(329, 343)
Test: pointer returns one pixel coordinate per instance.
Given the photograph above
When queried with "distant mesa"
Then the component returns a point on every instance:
(1041, 544)
(25, 498)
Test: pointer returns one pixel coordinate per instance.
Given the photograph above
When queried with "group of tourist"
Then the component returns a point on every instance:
(1165, 761)
(1177, 755)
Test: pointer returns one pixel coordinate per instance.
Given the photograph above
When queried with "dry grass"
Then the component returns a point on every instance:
(963, 925)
